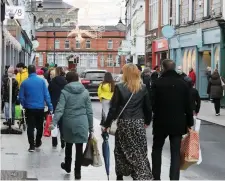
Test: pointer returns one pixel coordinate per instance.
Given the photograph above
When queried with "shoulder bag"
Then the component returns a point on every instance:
(113, 128)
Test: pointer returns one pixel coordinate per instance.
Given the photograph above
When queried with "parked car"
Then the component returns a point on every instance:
(91, 80)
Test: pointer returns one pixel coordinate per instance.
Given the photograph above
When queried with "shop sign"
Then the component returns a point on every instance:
(161, 45)
(211, 36)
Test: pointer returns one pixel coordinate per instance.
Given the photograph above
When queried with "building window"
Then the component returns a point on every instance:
(110, 60)
(40, 60)
(206, 8)
(165, 12)
(77, 44)
(57, 44)
(50, 58)
(50, 22)
(110, 44)
(40, 23)
(57, 22)
(177, 12)
(88, 44)
(153, 9)
(102, 60)
(191, 10)
(67, 44)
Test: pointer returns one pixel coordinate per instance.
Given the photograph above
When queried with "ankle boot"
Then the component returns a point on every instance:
(119, 177)
(77, 171)
(66, 165)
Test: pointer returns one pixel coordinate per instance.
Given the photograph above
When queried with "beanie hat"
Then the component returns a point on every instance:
(40, 72)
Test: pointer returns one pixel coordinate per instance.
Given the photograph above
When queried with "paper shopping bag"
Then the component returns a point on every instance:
(97, 161)
(47, 132)
(54, 132)
(189, 149)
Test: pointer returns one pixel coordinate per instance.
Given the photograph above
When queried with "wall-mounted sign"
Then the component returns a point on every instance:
(160, 45)
(14, 12)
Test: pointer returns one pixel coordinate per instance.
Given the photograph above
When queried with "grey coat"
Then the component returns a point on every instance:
(215, 89)
(75, 108)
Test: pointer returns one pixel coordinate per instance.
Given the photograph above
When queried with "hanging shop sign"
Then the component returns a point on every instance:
(14, 12)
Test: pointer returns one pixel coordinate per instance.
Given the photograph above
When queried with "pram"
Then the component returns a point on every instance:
(20, 116)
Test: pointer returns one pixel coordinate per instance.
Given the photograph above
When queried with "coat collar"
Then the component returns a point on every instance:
(32, 75)
(170, 73)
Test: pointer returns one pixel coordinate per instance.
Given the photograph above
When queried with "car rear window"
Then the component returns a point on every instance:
(95, 75)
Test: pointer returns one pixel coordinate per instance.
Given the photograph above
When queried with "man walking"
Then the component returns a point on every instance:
(172, 117)
(33, 95)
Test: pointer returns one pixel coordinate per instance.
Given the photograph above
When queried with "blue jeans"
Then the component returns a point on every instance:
(7, 111)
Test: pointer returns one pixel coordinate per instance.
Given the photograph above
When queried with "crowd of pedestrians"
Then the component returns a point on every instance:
(165, 97)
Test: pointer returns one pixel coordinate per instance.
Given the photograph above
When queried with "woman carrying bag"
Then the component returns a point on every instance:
(105, 93)
(75, 109)
(131, 101)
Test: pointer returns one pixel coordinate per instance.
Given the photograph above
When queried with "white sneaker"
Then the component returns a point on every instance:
(218, 114)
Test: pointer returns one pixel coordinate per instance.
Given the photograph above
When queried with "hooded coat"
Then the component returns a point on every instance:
(21, 76)
(55, 87)
(75, 109)
(215, 89)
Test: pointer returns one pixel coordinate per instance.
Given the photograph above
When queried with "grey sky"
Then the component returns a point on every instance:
(98, 12)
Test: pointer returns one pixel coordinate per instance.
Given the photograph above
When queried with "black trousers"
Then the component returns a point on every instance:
(54, 139)
(217, 105)
(79, 155)
(34, 120)
(175, 144)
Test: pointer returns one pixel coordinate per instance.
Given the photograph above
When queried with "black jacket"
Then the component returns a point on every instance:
(147, 81)
(139, 106)
(5, 90)
(196, 100)
(172, 110)
(215, 89)
(155, 75)
(55, 87)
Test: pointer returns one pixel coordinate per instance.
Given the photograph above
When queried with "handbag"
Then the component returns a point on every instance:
(47, 132)
(113, 127)
(88, 155)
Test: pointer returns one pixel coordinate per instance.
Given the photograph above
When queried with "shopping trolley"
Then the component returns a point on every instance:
(21, 117)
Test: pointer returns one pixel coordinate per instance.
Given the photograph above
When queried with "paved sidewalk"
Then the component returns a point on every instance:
(44, 163)
(207, 113)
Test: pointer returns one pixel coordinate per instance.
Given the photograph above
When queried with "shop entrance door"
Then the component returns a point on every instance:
(204, 62)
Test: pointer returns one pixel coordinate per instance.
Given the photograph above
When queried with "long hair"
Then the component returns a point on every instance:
(131, 77)
(108, 79)
(59, 71)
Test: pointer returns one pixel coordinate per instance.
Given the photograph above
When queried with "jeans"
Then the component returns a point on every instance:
(35, 119)
(7, 111)
(175, 144)
(217, 105)
(79, 155)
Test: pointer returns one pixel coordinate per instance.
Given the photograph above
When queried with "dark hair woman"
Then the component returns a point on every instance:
(55, 87)
(105, 93)
(215, 90)
(75, 111)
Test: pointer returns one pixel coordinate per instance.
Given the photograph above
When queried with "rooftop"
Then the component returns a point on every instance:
(69, 28)
(55, 4)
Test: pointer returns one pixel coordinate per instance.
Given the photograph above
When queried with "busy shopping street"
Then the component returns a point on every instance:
(44, 164)
(112, 89)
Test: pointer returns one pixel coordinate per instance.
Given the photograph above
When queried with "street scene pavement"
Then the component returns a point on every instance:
(44, 163)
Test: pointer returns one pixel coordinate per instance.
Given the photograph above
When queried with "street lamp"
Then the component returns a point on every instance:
(54, 47)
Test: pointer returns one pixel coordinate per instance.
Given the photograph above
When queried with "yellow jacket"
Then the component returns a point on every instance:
(20, 77)
(104, 92)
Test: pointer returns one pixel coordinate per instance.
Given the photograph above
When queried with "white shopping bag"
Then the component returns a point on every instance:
(54, 132)
(197, 128)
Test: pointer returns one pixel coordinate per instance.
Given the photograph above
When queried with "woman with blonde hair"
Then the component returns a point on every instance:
(131, 154)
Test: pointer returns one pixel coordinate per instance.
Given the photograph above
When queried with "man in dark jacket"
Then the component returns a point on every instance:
(155, 75)
(33, 95)
(172, 116)
(146, 77)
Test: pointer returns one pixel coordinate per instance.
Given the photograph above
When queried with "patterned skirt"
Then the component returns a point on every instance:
(131, 152)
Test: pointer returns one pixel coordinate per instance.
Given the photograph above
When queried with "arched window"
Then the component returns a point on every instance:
(185, 58)
(88, 44)
(57, 22)
(50, 22)
(193, 60)
(189, 61)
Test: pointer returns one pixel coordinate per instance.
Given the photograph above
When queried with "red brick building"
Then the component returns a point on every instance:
(100, 53)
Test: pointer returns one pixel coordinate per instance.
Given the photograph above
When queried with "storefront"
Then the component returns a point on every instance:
(197, 50)
(159, 51)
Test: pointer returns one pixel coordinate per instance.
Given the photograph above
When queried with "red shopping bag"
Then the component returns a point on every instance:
(47, 132)
(189, 149)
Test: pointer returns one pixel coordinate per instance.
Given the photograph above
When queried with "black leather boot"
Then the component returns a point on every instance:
(119, 177)
(77, 171)
(66, 165)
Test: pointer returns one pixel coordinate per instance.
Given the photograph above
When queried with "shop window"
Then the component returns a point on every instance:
(217, 59)
(193, 60)
(110, 60)
(185, 59)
